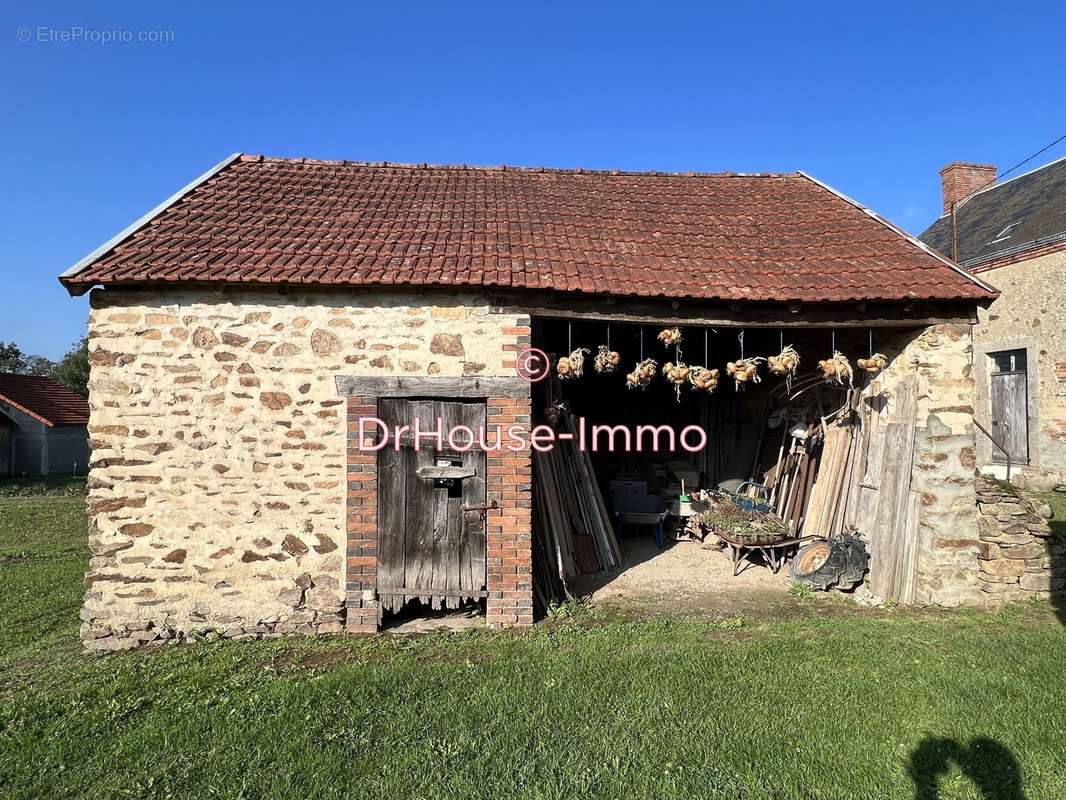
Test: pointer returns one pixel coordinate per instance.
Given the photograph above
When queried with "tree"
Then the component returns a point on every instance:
(73, 369)
(38, 365)
(12, 358)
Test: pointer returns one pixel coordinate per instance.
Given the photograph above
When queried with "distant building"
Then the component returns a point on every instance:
(43, 427)
(1013, 235)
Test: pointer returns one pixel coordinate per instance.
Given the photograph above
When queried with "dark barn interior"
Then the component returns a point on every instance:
(750, 433)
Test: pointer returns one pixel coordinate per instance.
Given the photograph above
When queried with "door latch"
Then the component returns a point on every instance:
(482, 509)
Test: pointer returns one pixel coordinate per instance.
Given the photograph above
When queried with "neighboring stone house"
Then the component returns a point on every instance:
(240, 331)
(42, 427)
(1013, 235)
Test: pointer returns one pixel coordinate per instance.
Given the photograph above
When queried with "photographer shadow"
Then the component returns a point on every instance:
(991, 767)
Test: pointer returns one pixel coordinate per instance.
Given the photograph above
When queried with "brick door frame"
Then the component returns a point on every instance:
(508, 485)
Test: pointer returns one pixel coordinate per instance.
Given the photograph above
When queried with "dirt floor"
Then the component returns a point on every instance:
(686, 577)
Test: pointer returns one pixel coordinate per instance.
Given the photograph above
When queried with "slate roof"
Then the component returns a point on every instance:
(1006, 218)
(44, 399)
(782, 237)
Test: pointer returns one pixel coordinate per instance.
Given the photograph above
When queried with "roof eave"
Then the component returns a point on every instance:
(28, 412)
(76, 288)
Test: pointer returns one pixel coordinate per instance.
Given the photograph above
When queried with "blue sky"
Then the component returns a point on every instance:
(871, 100)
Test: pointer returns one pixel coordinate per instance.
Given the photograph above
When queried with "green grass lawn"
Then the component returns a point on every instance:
(833, 703)
(54, 486)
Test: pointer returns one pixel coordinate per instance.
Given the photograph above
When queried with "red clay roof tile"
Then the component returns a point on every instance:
(44, 399)
(729, 237)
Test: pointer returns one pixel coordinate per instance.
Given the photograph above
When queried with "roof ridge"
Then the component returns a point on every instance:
(435, 226)
(998, 184)
(248, 157)
(26, 375)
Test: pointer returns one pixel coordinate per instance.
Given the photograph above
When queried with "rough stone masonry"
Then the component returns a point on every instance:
(225, 499)
(1019, 556)
(217, 494)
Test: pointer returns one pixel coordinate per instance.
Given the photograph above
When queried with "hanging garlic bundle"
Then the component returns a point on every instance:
(606, 360)
(677, 374)
(836, 369)
(670, 336)
(873, 365)
(704, 379)
(573, 365)
(744, 370)
(786, 363)
(641, 375)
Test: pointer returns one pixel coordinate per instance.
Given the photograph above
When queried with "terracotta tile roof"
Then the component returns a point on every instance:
(723, 236)
(44, 399)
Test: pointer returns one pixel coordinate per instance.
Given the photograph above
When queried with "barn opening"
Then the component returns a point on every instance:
(765, 440)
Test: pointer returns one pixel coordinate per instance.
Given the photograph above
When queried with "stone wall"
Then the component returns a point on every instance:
(217, 495)
(1029, 314)
(1019, 558)
(941, 358)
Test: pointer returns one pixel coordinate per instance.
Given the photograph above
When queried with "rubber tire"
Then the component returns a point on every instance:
(828, 573)
(858, 561)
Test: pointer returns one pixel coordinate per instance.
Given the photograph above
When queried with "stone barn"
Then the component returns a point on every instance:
(241, 330)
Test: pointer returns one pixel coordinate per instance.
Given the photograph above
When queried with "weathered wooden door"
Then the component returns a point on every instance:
(1010, 418)
(431, 507)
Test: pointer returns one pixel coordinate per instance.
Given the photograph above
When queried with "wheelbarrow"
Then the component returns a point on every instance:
(648, 509)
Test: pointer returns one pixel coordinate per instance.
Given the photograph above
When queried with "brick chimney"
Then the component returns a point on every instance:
(960, 179)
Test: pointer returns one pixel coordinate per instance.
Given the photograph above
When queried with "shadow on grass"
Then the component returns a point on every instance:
(991, 767)
(1057, 503)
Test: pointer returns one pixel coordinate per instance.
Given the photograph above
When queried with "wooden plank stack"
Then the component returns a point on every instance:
(791, 480)
(889, 511)
(827, 495)
(853, 473)
(864, 485)
(572, 529)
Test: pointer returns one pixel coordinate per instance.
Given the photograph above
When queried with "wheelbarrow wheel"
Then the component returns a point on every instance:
(819, 564)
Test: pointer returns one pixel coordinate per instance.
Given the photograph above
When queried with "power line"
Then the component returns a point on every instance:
(954, 232)
(1034, 155)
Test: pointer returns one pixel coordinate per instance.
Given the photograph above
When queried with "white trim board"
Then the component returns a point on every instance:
(129, 230)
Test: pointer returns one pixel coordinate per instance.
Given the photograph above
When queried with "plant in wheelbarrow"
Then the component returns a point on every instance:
(741, 526)
(746, 531)
(838, 562)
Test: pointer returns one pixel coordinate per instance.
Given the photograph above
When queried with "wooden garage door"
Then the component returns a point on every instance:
(431, 530)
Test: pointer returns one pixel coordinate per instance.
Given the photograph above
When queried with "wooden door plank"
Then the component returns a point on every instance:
(473, 525)
(392, 491)
(1010, 415)
(447, 538)
(420, 503)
